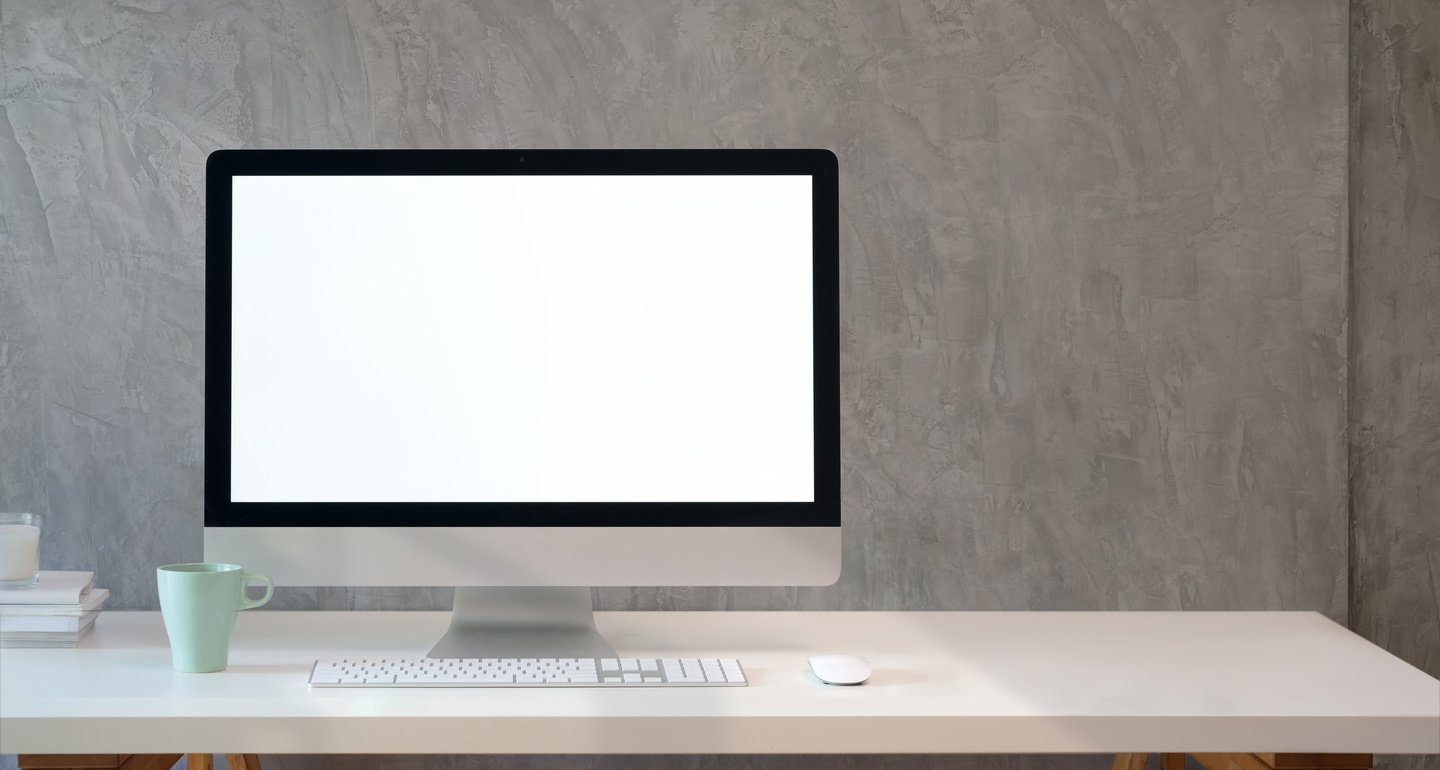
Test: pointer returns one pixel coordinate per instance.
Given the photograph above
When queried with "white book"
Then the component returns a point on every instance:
(51, 624)
(52, 588)
(42, 640)
(88, 603)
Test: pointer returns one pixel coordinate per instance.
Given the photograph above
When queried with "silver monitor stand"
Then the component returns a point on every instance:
(522, 622)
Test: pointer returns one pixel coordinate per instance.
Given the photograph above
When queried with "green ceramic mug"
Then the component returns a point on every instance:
(198, 603)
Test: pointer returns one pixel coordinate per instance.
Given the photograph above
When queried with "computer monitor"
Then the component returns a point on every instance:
(531, 369)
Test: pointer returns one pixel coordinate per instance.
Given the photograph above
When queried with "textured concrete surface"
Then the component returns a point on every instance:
(1395, 316)
(1093, 262)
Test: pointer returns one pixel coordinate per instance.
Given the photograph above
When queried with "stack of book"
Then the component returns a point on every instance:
(58, 611)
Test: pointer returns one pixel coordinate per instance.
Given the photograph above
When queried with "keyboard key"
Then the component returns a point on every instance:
(632, 677)
(629, 664)
(610, 664)
(649, 664)
(732, 670)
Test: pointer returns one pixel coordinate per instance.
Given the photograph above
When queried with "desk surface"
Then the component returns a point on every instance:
(945, 682)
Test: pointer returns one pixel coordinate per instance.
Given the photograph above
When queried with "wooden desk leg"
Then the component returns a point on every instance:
(1261, 761)
(131, 761)
(1317, 761)
(69, 761)
(96, 761)
(151, 762)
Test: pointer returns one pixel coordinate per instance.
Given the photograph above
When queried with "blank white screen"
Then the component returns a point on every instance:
(513, 338)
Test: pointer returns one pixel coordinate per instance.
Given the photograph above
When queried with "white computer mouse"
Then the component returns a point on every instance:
(840, 669)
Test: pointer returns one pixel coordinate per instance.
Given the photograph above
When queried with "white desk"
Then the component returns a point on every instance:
(945, 682)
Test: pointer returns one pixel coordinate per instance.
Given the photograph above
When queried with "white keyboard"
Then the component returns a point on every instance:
(527, 672)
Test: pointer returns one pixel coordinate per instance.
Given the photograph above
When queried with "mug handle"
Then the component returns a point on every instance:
(247, 603)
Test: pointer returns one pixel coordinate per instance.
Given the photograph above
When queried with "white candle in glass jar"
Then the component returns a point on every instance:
(19, 551)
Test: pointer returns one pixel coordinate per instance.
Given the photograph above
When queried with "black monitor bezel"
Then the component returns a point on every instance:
(820, 165)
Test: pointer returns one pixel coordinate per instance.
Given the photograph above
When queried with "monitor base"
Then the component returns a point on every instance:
(522, 622)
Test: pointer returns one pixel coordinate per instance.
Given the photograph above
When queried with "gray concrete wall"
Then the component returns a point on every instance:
(1395, 329)
(1093, 263)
